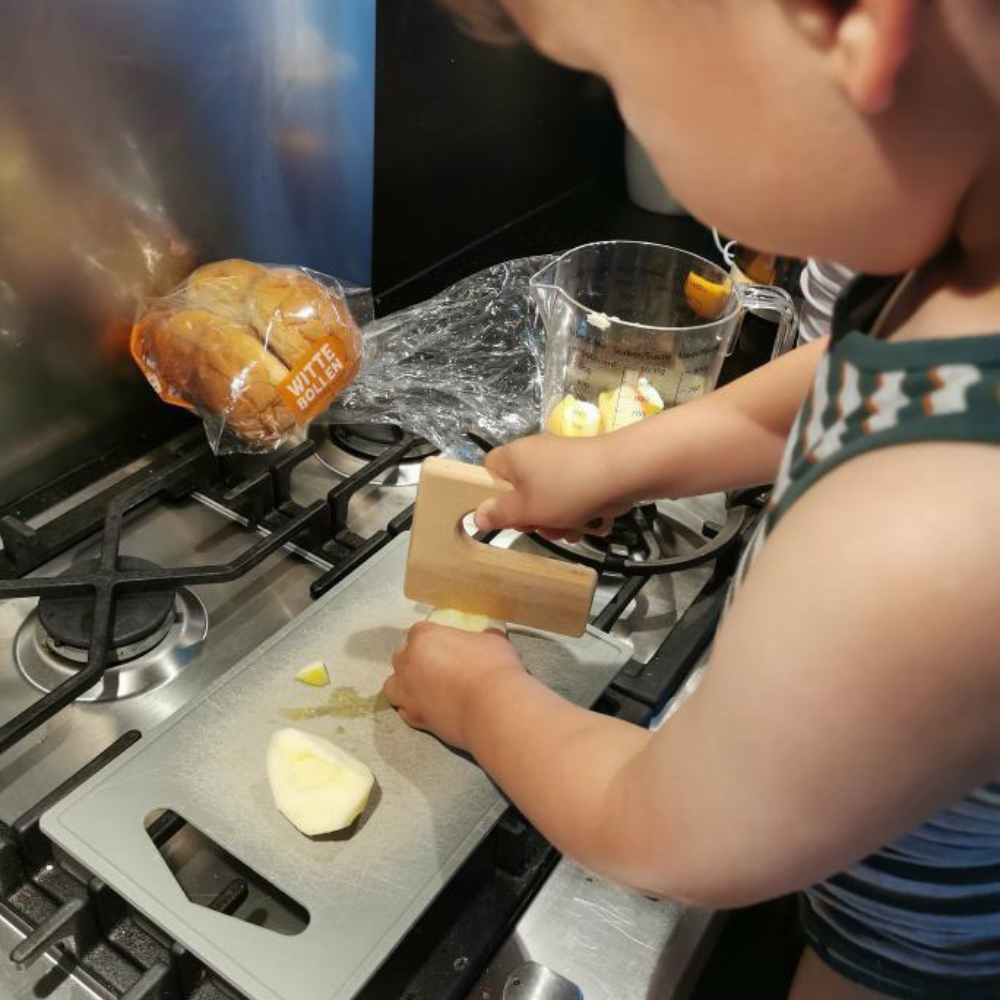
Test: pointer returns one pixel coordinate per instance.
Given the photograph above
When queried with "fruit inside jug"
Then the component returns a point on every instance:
(631, 329)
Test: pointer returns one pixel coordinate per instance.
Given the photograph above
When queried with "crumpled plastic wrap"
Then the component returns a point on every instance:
(470, 358)
(256, 351)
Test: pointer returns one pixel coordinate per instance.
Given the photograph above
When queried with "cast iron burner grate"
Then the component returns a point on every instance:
(370, 441)
(349, 449)
(82, 605)
(141, 620)
(646, 541)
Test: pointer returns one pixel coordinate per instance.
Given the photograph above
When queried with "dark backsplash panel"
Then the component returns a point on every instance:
(470, 138)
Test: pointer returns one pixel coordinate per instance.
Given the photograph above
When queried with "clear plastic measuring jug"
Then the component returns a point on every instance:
(635, 328)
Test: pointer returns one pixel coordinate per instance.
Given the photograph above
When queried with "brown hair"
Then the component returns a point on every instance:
(484, 20)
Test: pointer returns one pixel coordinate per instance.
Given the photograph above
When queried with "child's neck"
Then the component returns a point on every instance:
(958, 293)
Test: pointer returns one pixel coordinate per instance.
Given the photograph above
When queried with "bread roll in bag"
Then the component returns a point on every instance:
(238, 341)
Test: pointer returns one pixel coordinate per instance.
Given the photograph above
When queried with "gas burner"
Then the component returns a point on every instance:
(652, 539)
(141, 620)
(346, 448)
(153, 637)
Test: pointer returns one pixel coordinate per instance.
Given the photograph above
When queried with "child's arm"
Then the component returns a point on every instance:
(730, 438)
(832, 719)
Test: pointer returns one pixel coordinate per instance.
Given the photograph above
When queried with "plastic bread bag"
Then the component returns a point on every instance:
(256, 351)
(468, 359)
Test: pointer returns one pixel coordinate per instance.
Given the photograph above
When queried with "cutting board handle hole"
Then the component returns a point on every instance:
(212, 877)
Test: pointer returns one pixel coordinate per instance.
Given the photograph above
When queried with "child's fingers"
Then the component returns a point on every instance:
(505, 511)
(500, 463)
(500, 512)
(391, 690)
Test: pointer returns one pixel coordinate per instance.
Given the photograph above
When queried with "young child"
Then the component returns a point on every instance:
(852, 699)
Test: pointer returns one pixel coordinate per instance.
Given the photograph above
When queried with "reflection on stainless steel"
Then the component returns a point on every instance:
(611, 943)
(259, 529)
(137, 138)
(371, 508)
(148, 670)
(535, 982)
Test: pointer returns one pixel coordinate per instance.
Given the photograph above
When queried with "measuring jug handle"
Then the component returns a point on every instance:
(767, 298)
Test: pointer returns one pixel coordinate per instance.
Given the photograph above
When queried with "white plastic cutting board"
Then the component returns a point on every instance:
(363, 890)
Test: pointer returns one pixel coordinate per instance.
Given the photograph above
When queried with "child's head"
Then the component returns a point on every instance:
(848, 129)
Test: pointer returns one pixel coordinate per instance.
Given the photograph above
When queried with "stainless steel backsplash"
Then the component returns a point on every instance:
(137, 138)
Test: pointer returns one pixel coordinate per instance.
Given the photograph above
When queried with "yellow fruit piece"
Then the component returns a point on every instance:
(572, 417)
(761, 268)
(619, 408)
(706, 298)
(649, 399)
(454, 618)
(315, 674)
(316, 785)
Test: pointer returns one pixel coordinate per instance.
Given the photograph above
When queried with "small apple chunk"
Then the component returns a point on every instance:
(314, 674)
(572, 417)
(317, 786)
(620, 408)
(454, 618)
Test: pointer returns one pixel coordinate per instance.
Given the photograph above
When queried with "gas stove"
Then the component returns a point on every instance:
(209, 557)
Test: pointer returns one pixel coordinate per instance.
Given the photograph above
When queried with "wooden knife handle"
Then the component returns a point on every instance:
(447, 568)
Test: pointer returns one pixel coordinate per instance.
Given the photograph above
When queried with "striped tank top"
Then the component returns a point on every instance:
(920, 919)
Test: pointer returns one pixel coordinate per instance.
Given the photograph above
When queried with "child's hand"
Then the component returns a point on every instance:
(562, 488)
(439, 672)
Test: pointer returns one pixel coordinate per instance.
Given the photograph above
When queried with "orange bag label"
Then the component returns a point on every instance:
(315, 380)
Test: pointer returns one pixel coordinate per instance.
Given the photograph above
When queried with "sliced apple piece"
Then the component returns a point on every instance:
(619, 408)
(454, 618)
(314, 674)
(316, 786)
(572, 417)
(649, 399)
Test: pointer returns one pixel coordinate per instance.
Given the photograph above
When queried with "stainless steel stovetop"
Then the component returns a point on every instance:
(580, 931)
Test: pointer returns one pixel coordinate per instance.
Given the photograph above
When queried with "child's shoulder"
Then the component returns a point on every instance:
(902, 544)
(854, 686)
(871, 395)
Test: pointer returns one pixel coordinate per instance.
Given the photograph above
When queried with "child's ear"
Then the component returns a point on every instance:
(867, 43)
